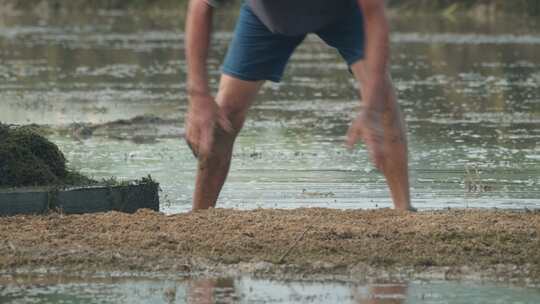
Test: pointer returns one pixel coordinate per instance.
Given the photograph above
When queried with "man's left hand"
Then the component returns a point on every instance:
(368, 126)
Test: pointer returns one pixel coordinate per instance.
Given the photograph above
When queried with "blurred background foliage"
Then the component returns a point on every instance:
(528, 7)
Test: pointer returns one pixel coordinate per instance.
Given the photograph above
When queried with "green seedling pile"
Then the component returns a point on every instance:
(27, 158)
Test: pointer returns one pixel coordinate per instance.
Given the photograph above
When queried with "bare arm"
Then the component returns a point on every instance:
(375, 87)
(377, 51)
(380, 123)
(204, 115)
(198, 30)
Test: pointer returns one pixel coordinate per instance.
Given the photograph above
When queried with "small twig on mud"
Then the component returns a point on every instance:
(282, 258)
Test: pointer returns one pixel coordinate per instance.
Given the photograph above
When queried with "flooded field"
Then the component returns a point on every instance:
(470, 92)
(201, 290)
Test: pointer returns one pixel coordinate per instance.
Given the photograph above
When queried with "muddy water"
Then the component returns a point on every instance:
(469, 89)
(126, 289)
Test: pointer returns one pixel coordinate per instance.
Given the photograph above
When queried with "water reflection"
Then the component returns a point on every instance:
(383, 294)
(51, 288)
(209, 290)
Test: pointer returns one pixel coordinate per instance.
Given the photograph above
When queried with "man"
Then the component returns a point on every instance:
(266, 34)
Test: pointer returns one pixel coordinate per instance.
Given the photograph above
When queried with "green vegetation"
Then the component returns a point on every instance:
(527, 7)
(114, 181)
(27, 158)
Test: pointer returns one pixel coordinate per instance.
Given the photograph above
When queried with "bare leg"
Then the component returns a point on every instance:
(234, 97)
(395, 163)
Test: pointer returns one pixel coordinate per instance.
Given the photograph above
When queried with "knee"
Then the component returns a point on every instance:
(235, 97)
(237, 118)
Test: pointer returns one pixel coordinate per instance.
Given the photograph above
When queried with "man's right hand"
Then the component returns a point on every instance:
(202, 118)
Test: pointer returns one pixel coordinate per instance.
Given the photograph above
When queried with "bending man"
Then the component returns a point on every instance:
(266, 34)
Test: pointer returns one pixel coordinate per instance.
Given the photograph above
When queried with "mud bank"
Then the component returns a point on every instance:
(139, 129)
(492, 245)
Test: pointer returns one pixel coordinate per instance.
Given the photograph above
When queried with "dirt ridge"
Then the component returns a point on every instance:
(492, 243)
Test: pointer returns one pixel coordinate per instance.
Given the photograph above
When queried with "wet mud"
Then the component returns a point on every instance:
(486, 244)
(139, 129)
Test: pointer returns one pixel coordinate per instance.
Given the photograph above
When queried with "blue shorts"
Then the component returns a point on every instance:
(255, 53)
